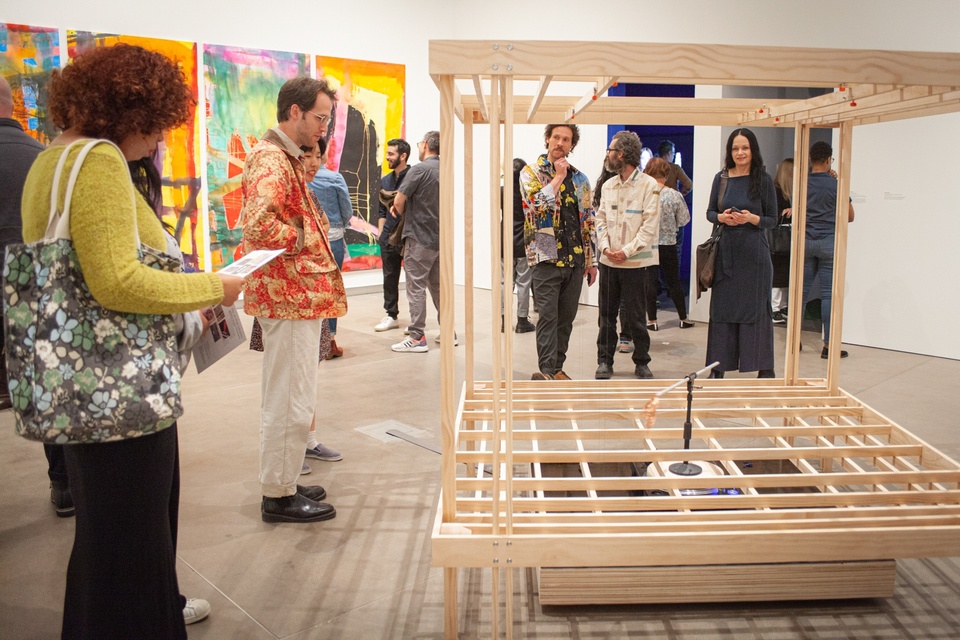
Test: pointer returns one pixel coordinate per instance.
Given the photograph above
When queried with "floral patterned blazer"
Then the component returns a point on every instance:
(541, 207)
(278, 213)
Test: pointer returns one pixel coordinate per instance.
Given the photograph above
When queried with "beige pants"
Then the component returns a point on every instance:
(288, 400)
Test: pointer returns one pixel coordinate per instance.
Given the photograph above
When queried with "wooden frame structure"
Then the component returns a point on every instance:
(843, 491)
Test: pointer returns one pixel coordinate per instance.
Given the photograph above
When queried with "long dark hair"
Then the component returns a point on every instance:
(146, 180)
(756, 161)
(598, 186)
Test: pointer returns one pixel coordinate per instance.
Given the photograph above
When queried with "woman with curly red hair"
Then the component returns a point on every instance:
(121, 581)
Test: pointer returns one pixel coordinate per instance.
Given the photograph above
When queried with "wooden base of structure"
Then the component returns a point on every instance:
(720, 583)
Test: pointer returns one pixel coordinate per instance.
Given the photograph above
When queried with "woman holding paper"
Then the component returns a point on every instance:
(121, 581)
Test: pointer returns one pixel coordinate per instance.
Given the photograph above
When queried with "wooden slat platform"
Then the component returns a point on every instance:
(723, 583)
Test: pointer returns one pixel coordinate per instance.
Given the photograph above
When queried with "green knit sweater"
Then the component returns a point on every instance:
(101, 224)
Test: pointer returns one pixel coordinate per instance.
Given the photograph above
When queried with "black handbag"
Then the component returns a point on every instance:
(707, 260)
(779, 238)
(707, 250)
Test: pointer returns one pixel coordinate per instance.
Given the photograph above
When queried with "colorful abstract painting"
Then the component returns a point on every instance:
(28, 55)
(368, 112)
(241, 99)
(177, 158)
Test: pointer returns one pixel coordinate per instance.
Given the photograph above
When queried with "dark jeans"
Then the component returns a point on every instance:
(339, 248)
(122, 578)
(670, 269)
(622, 288)
(392, 266)
(818, 262)
(556, 294)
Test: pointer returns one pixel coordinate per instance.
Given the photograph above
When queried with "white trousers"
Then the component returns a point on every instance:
(288, 400)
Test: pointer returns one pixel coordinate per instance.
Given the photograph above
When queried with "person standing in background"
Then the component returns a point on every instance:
(418, 201)
(783, 183)
(668, 151)
(821, 234)
(17, 153)
(331, 190)
(391, 256)
(673, 216)
(521, 270)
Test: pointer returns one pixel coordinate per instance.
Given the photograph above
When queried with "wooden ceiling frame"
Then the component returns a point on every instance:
(865, 490)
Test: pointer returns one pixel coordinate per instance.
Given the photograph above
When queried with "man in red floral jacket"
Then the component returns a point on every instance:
(290, 295)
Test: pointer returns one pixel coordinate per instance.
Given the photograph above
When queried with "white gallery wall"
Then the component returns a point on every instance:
(901, 291)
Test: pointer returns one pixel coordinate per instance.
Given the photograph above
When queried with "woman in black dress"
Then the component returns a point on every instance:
(740, 336)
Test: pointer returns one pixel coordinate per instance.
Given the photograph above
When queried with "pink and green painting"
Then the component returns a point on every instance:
(241, 101)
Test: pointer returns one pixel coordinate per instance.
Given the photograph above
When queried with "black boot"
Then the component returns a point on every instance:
(766, 373)
(524, 325)
(62, 500)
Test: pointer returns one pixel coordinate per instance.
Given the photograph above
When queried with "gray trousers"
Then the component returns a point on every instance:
(522, 274)
(422, 268)
(556, 291)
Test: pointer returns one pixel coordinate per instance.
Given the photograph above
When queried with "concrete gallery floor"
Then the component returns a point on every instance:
(367, 574)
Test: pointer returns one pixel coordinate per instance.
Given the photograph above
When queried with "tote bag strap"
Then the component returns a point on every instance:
(62, 230)
(54, 214)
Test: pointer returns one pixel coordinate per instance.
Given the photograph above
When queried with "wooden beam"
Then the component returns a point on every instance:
(589, 98)
(632, 110)
(538, 97)
(695, 63)
(481, 104)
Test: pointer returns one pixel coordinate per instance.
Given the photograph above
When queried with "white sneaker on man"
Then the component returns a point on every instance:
(456, 341)
(412, 346)
(195, 610)
(387, 323)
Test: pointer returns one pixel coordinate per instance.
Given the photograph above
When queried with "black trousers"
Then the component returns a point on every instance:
(670, 270)
(122, 578)
(392, 267)
(622, 289)
(56, 464)
(556, 294)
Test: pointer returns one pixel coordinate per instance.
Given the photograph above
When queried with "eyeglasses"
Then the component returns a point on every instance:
(614, 150)
(319, 117)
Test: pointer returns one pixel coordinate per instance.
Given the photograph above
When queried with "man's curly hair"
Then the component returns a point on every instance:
(113, 92)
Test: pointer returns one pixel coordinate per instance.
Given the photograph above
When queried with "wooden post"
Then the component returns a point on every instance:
(450, 604)
(798, 201)
(469, 338)
(448, 409)
(840, 255)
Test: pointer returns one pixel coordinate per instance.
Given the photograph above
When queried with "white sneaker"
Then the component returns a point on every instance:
(412, 346)
(386, 324)
(195, 610)
(456, 340)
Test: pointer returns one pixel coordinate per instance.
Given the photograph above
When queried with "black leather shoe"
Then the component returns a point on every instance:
(766, 373)
(314, 492)
(62, 500)
(525, 326)
(642, 371)
(716, 373)
(604, 371)
(826, 353)
(295, 508)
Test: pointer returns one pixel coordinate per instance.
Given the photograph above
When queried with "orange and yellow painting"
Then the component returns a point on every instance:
(28, 56)
(178, 157)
